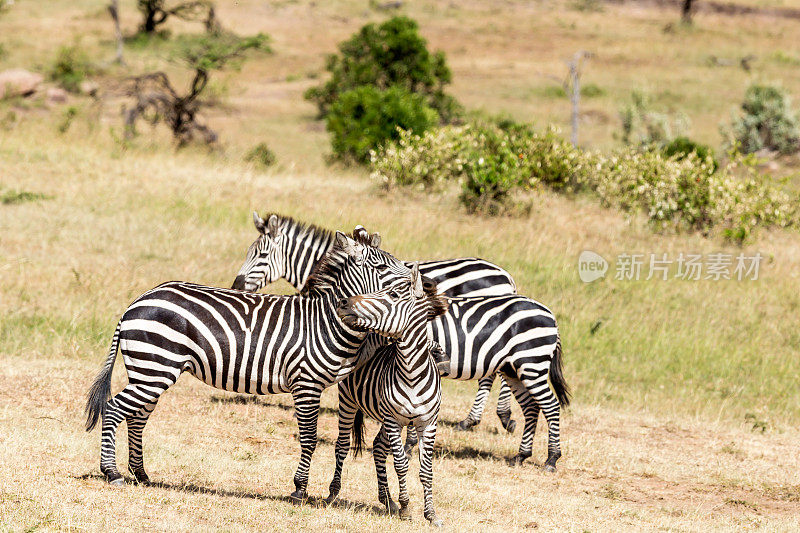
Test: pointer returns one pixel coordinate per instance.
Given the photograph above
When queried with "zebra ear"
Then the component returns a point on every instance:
(350, 247)
(261, 226)
(416, 280)
(272, 225)
(360, 234)
(375, 240)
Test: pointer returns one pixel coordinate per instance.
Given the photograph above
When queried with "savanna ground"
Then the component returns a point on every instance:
(686, 401)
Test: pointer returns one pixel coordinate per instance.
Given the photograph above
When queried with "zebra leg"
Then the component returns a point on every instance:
(136, 425)
(475, 414)
(393, 431)
(504, 406)
(380, 449)
(412, 438)
(130, 401)
(426, 472)
(306, 405)
(347, 414)
(530, 410)
(551, 409)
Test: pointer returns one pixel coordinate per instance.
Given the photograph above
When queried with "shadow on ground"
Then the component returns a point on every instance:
(313, 501)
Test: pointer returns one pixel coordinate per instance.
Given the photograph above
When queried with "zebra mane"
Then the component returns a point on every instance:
(438, 303)
(332, 263)
(289, 223)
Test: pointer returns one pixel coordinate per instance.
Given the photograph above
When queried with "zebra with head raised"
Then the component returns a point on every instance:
(398, 386)
(289, 249)
(484, 336)
(241, 342)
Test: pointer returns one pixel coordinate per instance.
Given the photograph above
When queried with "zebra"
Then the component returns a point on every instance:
(289, 249)
(398, 386)
(519, 338)
(241, 342)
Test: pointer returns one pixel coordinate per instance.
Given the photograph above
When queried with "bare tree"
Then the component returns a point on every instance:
(155, 13)
(156, 100)
(573, 85)
(113, 10)
(686, 12)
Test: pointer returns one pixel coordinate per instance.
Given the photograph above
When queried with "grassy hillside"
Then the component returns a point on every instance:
(685, 391)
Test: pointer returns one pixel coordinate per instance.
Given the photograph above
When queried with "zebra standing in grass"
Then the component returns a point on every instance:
(398, 386)
(517, 337)
(484, 335)
(289, 249)
(240, 342)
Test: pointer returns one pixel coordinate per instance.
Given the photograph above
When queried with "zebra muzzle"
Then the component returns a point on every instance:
(238, 283)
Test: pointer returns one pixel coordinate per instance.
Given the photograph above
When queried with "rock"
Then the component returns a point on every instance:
(89, 88)
(18, 82)
(56, 95)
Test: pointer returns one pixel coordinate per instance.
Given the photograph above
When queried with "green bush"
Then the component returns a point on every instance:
(261, 155)
(390, 54)
(363, 119)
(681, 191)
(683, 146)
(70, 68)
(644, 126)
(767, 121)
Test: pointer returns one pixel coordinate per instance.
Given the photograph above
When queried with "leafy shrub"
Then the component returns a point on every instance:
(592, 90)
(392, 53)
(767, 121)
(425, 161)
(683, 146)
(688, 194)
(363, 119)
(643, 126)
(70, 68)
(261, 155)
(681, 191)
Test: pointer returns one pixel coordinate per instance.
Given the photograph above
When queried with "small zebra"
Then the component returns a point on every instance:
(399, 386)
(241, 342)
(289, 249)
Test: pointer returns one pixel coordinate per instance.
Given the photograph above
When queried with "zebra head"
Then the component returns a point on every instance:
(406, 304)
(355, 265)
(265, 261)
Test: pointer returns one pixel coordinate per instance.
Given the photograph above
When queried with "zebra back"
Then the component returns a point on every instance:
(289, 249)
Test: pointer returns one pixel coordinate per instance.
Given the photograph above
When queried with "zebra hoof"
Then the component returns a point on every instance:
(330, 499)
(549, 468)
(119, 482)
(465, 425)
(298, 497)
(140, 476)
(436, 522)
(517, 460)
(405, 512)
(391, 508)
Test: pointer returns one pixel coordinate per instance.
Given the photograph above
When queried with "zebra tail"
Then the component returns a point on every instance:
(100, 391)
(358, 433)
(557, 376)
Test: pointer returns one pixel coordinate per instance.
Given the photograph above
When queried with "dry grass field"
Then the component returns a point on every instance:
(686, 403)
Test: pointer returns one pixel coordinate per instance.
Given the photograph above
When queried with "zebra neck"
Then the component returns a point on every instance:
(412, 349)
(309, 244)
(332, 332)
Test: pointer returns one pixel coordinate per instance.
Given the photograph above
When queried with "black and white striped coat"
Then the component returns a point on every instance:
(241, 342)
(289, 249)
(399, 386)
(517, 337)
